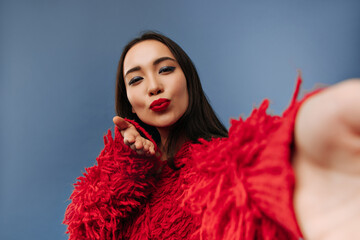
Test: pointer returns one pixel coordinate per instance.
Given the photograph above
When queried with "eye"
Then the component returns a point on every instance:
(166, 69)
(135, 80)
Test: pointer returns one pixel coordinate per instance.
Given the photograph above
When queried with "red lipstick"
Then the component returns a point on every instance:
(160, 104)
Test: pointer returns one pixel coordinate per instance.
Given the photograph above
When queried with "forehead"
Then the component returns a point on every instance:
(144, 53)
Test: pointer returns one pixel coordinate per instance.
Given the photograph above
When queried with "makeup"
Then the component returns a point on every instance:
(160, 104)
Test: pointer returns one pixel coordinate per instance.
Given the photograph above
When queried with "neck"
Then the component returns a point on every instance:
(164, 133)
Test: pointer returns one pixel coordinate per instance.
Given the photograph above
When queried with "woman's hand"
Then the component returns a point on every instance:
(327, 163)
(132, 137)
(327, 130)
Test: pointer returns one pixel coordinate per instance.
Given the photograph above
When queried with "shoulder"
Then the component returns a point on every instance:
(248, 175)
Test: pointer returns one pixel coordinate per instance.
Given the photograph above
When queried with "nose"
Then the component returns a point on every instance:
(155, 87)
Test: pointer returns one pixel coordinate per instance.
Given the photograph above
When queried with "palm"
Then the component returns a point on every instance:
(132, 137)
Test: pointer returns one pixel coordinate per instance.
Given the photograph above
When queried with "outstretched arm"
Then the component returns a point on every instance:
(327, 162)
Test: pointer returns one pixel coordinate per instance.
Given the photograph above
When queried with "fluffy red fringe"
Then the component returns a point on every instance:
(240, 187)
(109, 192)
(243, 186)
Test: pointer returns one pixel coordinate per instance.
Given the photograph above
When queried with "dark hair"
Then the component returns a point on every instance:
(199, 120)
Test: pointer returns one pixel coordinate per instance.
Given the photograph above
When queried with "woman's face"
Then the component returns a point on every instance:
(155, 84)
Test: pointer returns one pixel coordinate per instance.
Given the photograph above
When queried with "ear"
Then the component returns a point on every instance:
(132, 109)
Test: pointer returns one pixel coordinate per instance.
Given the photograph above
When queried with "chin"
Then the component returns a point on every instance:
(162, 121)
(162, 124)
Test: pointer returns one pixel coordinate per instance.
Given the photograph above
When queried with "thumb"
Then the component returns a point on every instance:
(121, 123)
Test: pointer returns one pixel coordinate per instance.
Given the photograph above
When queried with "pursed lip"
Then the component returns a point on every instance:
(160, 104)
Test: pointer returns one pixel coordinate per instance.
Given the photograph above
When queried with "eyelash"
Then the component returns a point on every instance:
(135, 80)
(165, 69)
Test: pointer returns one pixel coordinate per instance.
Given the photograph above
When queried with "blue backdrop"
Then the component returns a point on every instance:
(58, 65)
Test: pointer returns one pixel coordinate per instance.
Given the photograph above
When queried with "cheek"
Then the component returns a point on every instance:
(183, 91)
(134, 100)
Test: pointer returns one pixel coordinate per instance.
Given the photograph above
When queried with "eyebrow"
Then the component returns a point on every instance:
(156, 62)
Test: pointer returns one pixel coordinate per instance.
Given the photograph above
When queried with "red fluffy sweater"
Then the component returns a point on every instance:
(240, 187)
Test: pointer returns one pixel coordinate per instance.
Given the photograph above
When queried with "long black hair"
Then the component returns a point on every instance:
(199, 120)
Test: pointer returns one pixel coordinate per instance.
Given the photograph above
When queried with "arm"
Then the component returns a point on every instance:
(110, 192)
(327, 162)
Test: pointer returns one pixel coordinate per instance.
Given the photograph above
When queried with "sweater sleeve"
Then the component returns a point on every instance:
(243, 185)
(109, 192)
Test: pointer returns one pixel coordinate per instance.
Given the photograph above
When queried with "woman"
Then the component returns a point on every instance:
(184, 178)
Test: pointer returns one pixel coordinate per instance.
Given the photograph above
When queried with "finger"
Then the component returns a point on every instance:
(140, 151)
(139, 143)
(129, 139)
(150, 152)
(146, 146)
(132, 146)
(152, 149)
(121, 123)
